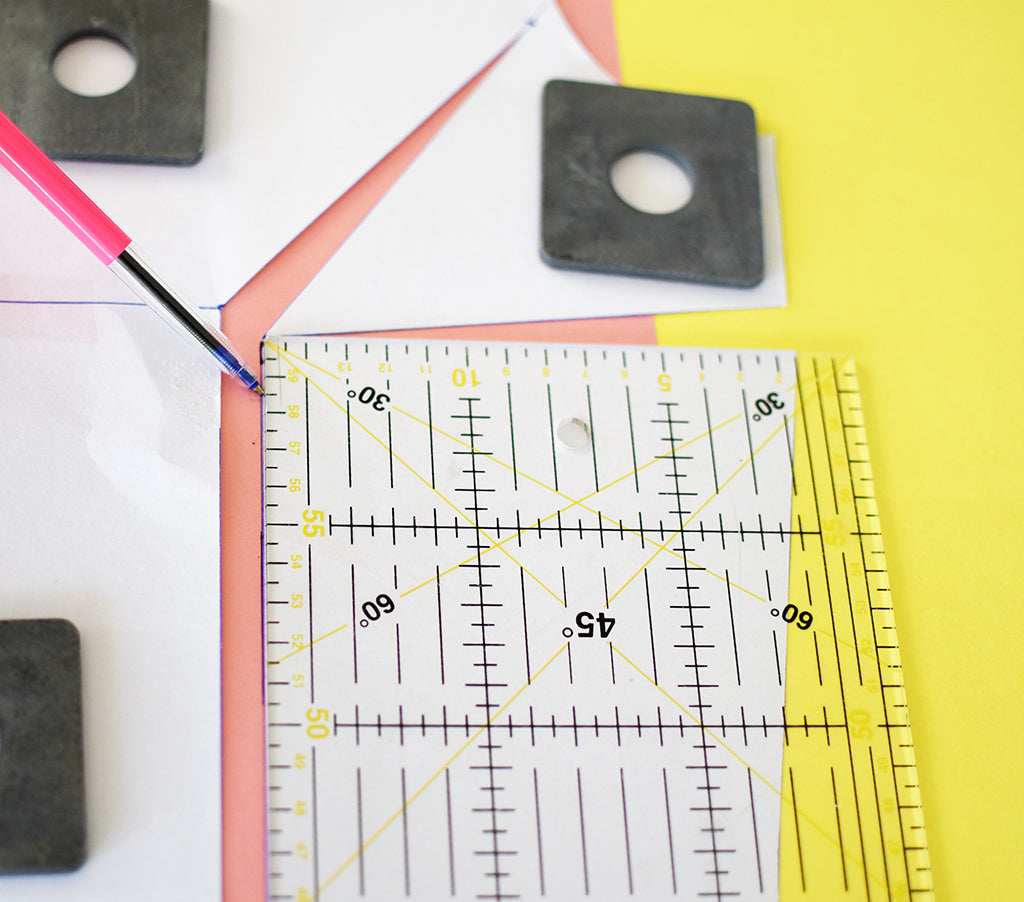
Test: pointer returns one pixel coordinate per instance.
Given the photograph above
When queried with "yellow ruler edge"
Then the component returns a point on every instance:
(852, 825)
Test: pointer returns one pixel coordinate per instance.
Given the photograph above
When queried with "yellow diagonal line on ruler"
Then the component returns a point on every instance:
(722, 743)
(310, 645)
(718, 739)
(469, 742)
(294, 356)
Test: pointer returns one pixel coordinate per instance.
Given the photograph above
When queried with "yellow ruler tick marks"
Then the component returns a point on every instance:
(848, 759)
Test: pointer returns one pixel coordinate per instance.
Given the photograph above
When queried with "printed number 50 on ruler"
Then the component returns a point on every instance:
(577, 622)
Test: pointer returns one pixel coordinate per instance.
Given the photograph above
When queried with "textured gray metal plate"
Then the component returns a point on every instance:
(42, 781)
(715, 238)
(158, 117)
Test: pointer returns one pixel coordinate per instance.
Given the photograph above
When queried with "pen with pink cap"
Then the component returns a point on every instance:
(65, 200)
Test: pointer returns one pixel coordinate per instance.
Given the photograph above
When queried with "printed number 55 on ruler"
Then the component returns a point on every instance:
(531, 629)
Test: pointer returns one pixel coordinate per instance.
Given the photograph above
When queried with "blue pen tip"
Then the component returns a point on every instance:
(248, 378)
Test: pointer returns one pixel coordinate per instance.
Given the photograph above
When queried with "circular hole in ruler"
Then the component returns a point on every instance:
(651, 182)
(573, 434)
(94, 65)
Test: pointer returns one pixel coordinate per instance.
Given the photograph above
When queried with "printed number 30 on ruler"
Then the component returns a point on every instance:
(577, 622)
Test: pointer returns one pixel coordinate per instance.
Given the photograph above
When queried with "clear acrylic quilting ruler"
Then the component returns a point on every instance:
(531, 629)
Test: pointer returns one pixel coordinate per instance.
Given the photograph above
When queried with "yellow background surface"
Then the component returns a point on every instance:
(900, 140)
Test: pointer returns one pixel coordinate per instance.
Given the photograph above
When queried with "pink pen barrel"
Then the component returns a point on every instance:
(61, 196)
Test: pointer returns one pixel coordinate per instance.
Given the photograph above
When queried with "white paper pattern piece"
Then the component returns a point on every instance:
(525, 619)
(111, 519)
(302, 99)
(456, 241)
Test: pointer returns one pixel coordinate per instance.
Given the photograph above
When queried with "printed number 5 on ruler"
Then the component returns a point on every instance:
(528, 621)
